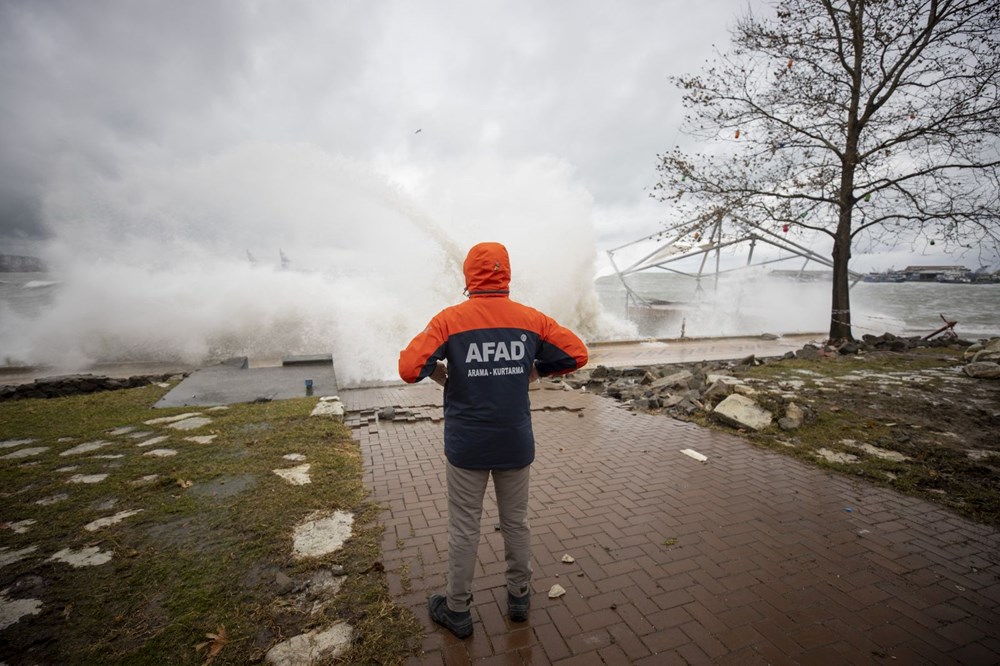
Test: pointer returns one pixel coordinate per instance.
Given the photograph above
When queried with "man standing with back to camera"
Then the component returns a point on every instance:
(494, 348)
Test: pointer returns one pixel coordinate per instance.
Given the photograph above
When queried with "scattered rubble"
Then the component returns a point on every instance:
(329, 406)
(684, 389)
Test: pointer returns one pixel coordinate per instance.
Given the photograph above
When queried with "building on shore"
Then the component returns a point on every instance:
(15, 263)
(935, 273)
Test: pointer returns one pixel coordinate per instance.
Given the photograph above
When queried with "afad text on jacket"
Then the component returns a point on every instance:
(490, 344)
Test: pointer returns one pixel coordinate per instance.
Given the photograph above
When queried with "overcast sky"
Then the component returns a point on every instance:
(89, 86)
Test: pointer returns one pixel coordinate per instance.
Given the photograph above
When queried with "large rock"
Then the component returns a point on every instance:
(742, 412)
(677, 379)
(983, 370)
(989, 353)
(794, 416)
(808, 353)
(718, 389)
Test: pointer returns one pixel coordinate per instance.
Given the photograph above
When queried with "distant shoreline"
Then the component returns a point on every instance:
(17, 263)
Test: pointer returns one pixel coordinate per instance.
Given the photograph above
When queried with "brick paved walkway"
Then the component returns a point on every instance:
(751, 557)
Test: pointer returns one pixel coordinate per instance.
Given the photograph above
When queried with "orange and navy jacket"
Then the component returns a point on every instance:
(490, 344)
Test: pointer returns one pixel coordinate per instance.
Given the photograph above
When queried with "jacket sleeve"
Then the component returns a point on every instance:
(561, 350)
(420, 357)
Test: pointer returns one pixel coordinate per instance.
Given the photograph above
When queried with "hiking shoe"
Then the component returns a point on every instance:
(517, 607)
(459, 624)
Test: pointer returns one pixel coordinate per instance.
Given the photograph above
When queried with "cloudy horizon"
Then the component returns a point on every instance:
(93, 92)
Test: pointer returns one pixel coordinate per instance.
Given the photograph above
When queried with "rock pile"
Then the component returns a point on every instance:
(681, 390)
(677, 390)
(872, 343)
(57, 387)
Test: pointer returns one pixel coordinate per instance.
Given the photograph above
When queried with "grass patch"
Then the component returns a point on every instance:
(209, 547)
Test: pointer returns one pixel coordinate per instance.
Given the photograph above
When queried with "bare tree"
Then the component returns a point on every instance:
(850, 117)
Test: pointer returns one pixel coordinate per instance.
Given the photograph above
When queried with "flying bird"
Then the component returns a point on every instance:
(419, 131)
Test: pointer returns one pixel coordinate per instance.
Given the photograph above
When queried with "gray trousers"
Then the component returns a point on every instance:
(466, 488)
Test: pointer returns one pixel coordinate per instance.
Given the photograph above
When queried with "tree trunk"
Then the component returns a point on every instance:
(840, 310)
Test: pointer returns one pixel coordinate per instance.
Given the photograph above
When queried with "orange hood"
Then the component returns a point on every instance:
(487, 270)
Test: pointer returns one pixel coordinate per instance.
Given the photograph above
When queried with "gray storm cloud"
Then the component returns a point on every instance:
(103, 86)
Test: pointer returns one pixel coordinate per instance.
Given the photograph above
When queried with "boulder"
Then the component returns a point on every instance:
(718, 389)
(794, 417)
(808, 353)
(677, 379)
(728, 379)
(743, 412)
(971, 351)
(989, 353)
(600, 372)
(983, 370)
(672, 400)
(848, 348)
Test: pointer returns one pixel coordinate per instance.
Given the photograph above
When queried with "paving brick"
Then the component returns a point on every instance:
(766, 568)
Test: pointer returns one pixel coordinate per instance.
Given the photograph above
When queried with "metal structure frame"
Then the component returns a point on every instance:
(663, 256)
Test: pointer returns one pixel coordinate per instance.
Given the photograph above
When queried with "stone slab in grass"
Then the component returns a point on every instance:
(154, 440)
(52, 499)
(11, 443)
(85, 557)
(192, 423)
(171, 419)
(160, 453)
(8, 556)
(86, 478)
(297, 476)
(100, 523)
(25, 453)
(12, 610)
(321, 534)
(315, 647)
(86, 447)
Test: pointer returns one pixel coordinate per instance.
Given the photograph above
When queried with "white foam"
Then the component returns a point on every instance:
(371, 263)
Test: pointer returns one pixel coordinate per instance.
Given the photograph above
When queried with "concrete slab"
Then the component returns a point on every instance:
(228, 384)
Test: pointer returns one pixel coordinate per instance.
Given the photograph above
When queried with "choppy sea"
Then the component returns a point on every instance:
(754, 303)
(736, 304)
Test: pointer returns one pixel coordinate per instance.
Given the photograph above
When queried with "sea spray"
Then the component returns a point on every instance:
(153, 262)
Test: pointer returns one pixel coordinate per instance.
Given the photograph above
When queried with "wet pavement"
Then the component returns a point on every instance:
(749, 557)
